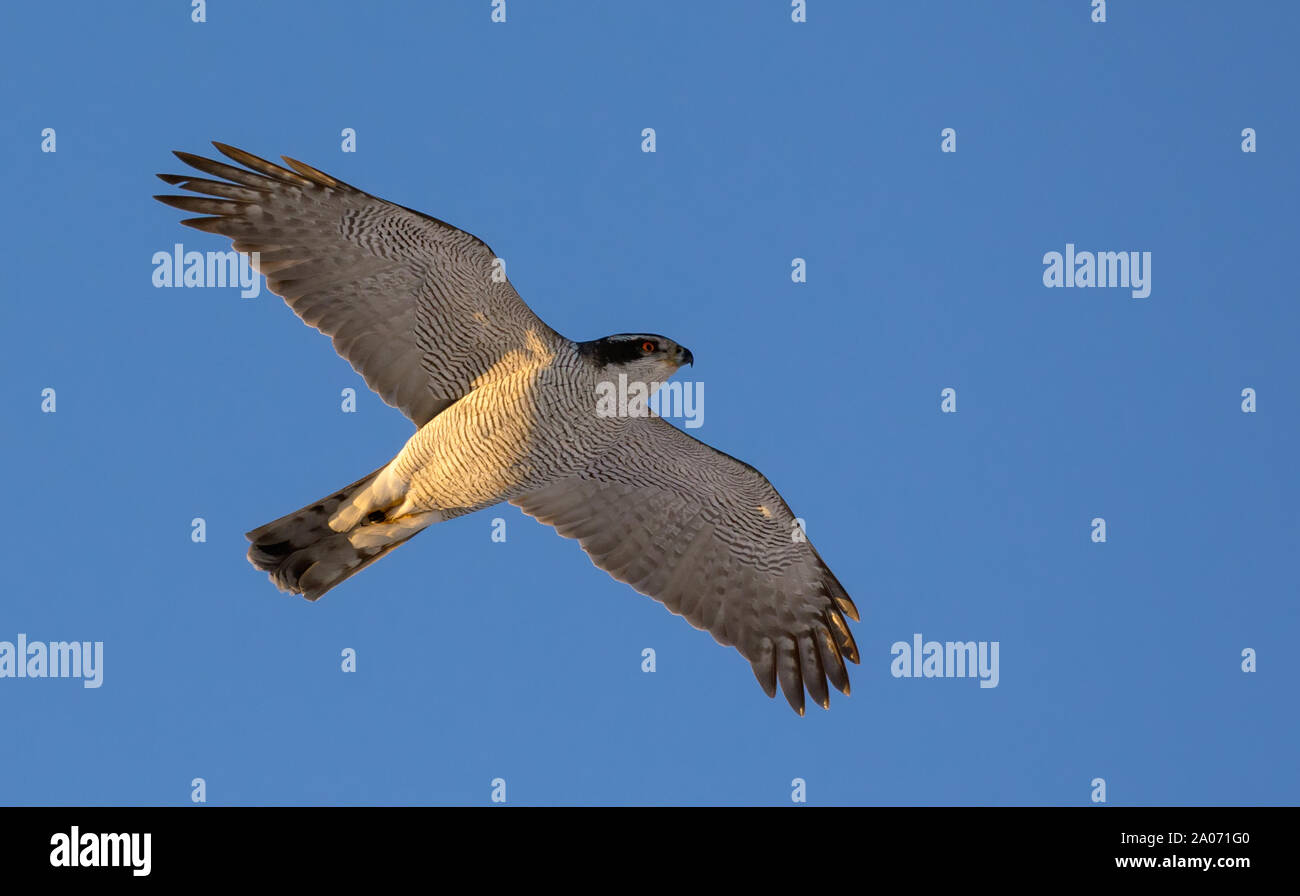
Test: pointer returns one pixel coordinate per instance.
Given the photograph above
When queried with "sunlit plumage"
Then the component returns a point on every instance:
(505, 411)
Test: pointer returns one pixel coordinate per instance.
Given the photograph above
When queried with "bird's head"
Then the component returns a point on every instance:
(643, 357)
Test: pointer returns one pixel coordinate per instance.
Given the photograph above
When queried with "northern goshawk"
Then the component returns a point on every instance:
(505, 410)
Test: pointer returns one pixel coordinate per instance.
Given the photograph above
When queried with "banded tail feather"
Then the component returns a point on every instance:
(304, 555)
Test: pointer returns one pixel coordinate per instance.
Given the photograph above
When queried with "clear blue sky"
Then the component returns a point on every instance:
(479, 660)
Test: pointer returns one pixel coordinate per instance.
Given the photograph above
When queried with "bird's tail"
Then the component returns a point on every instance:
(303, 554)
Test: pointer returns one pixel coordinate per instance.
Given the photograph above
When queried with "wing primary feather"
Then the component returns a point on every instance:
(313, 174)
(204, 205)
(836, 592)
(207, 225)
(789, 674)
(216, 188)
(832, 662)
(847, 607)
(810, 664)
(764, 667)
(844, 638)
(221, 169)
(259, 164)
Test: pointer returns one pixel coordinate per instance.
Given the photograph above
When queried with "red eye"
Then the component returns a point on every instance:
(648, 346)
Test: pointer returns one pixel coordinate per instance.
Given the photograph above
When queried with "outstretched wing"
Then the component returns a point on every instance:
(709, 537)
(411, 302)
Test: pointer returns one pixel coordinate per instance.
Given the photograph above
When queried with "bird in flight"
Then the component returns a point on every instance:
(506, 409)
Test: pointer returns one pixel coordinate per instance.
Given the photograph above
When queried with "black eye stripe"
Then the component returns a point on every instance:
(623, 348)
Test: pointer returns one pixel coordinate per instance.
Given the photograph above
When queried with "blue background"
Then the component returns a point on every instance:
(479, 660)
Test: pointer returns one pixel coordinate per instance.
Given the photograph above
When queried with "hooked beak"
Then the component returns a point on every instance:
(684, 357)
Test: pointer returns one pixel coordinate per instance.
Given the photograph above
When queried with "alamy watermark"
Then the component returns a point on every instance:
(89, 850)
(638, 399)
(197, 269)
(53, 659)
(946, 659)
(1127, 270)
